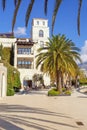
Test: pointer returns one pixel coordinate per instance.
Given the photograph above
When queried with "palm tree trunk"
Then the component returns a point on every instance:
(57, 77)
(62, 80)
(76, 82)
(58, 81)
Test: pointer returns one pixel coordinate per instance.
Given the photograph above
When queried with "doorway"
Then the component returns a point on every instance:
(27, 83)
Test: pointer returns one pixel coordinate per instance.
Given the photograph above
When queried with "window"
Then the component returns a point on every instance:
(41, 43)
(24, 63)
(19, 50)
(41, 33)
(29, 50)
(29, 62)
(19, 62)
(37, 22)
(24, 50)
(43, 22)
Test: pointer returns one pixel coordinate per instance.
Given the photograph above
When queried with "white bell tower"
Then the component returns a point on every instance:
(40, 35)
(40, 31)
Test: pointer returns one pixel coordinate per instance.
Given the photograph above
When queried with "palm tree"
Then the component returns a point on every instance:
(36, 78)
(56, 3)
(59, 56)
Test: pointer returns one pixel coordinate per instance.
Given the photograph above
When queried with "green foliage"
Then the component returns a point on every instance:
(59, 56)
(67, 92)
(13, 79)
(16, 80)
(1, 50)
(35, 77)
(13, 76)
(63, 89)
(10, 90)
(12, 55)
(53, 92)
(38, 77)
(6, 54)
(83, 81)
(53, 85)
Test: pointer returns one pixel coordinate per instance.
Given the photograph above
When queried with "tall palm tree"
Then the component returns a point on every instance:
(56, 3)
(59, 56)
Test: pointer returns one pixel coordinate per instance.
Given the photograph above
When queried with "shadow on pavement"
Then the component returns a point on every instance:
(82, 97)
(7, 125)
(25, 109)
(31, 92)
(13, 116)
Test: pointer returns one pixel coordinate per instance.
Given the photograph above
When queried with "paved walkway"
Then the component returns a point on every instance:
(37, 111)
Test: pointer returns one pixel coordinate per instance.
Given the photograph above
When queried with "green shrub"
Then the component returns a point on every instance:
(13, 79)
(83, 81)
(53, 92)
(13, 75)
(10, 92)
(67, 92)
(63, 89)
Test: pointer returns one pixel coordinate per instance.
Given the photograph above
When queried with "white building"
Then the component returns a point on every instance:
(25, 51)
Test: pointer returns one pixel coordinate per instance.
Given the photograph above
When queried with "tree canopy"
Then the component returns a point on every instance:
(59, 56)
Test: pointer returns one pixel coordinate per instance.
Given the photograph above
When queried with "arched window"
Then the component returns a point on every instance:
(41, 33)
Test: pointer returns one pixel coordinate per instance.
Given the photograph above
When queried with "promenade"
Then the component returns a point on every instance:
(37, 111)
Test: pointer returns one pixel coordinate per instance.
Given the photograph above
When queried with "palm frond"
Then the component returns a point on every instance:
(78, 17)
(45, 6)
(57, 5)
(3, 4)
(15, 13)
(15, 2)
(60, 56)
(76, 48)
(29, 9)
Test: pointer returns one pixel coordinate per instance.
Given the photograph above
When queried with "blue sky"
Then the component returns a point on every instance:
(66, 21)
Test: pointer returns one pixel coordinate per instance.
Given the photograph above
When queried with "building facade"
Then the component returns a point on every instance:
(25, 51)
